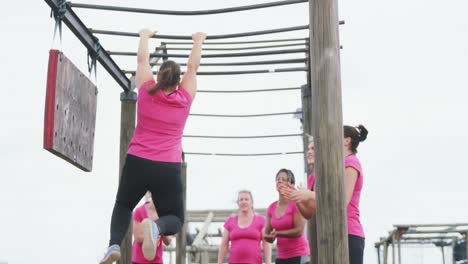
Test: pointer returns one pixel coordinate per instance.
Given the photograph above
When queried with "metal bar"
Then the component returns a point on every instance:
(297, 69)
(432, 225)
(253, 115)
(239, 42)
(89, 41)
(234, 35)
(243, 154)
(249, 63)
(243, 137)
(220, 55)
(248, 91)
(186, 13)
(244, 48)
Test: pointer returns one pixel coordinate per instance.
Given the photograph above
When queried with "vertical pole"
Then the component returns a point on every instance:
(327, 127)
(181, 245)
(454, 243)
(393, 248)
(466, 244)
(127, 126)
(443, 254)
(377, 247)
(385, 253)
(399, 248)
(307, 130)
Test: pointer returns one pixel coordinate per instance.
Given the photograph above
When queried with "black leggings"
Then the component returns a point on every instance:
(356, 249)
(163, 180)
(294, 260)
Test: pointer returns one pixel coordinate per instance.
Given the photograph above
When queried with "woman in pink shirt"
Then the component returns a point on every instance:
(285, 223)
(353, 186)
(154, 154)
(244, 232)
(146, 211)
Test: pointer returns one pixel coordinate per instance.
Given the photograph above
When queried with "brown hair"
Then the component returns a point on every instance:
(357, 134)
(168, 75)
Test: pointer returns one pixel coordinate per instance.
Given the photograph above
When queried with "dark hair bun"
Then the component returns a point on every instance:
(362, 133)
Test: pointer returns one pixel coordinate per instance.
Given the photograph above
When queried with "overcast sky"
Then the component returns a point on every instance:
(403, 72)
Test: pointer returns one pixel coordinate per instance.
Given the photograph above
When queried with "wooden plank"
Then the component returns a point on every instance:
(70, 114)
(199, 238)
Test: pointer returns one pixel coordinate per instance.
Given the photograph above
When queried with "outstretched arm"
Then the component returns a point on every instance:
(189, 81)
(143, 72)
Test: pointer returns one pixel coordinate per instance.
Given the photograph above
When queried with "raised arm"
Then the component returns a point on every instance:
(189, 81)
(143, 72)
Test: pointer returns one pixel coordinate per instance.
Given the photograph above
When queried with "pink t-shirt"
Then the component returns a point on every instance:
(160, 124)
(245, 242)
(137, 254)
(354, 224)
(287, 247)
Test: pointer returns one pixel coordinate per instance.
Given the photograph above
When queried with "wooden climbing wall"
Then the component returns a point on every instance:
(70, 112)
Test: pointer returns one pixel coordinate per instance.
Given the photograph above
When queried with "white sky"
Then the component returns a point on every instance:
(403, 76)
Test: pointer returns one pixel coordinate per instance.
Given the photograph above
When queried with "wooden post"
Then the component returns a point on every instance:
(307, 130)
(393, 248)
(127, 126)
(385, 253)
(181, 245)
(327, 127)
(377, 247)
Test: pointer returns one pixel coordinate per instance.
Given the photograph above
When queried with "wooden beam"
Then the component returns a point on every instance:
(127, 127)
(327, 127)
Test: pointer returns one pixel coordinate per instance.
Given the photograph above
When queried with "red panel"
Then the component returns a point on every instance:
(50, 99)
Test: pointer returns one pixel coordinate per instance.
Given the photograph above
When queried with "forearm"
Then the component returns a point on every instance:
(195, 56)
(143, 51)
(306, 208)
(267, 252)
(222, 253)
(293, 232)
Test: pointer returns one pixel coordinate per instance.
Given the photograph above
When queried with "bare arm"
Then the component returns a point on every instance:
(189, 81)
(297, 230)
(351, 175)
(223, 248)
(137, 232)
(267, 236)
(143, 72)
(304, 199)
(266, 251)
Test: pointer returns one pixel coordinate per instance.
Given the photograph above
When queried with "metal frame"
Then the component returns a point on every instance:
(86, 37)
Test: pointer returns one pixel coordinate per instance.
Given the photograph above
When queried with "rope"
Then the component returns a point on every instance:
(188, 13)
(243, 154)
(243, 137)
(58, 16)
(252, 115)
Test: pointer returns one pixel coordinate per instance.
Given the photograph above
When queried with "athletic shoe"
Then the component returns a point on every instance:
(112, 254)
(150, 238)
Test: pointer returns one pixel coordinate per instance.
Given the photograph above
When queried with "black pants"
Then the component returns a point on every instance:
(356, 249)
(294, 260)
(163, 180)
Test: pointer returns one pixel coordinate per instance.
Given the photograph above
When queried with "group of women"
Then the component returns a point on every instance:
(153, 163)
(285, 217)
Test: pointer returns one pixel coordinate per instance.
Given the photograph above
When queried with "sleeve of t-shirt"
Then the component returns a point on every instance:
(261, 222)
(186, 94)
(228, 224)
(270, 210)
(137, 215)
(311, 181)
(292, 208)
(146, 85)
(351, 162)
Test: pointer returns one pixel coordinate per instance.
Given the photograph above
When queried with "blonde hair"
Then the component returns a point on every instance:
(245, 191)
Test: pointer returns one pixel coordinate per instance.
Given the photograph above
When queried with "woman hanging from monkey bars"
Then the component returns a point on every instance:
(154, 154)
